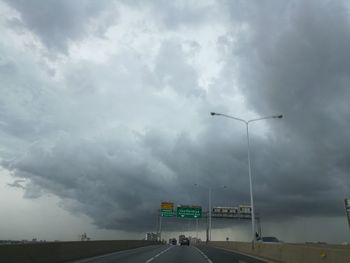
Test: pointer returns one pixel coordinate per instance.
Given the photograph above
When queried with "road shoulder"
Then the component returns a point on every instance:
(267, 260)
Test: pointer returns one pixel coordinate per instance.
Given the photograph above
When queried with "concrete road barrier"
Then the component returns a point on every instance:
(56, 252)
(291, 253)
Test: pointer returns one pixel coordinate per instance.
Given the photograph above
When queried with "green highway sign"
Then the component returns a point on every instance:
(189, 212)
(166, 212)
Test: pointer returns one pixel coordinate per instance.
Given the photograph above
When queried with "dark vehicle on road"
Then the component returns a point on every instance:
(173, 241)
(269, 240)
(185, 242)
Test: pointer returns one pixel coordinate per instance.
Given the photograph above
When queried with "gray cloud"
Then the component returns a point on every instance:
(295, 61)
(114, 139)
(59, 23)
(174, 72)
(172, 15)
(17, 184)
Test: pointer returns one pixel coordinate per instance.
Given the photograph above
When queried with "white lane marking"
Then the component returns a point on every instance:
(153, 258)
(204, 255)
(107, 255)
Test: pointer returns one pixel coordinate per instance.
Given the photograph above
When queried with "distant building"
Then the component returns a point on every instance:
(151, 237)
(84, 237)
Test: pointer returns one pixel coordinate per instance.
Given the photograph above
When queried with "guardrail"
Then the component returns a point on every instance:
(290, 253)
(52, 252)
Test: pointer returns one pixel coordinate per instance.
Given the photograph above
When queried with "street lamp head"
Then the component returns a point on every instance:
(278, 116)
(212, 113)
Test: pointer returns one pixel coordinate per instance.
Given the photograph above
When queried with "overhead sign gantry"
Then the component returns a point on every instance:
(183, 211)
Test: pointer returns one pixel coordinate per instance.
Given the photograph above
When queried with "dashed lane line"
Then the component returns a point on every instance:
(204, 255)
(86, 260)
(160, 253)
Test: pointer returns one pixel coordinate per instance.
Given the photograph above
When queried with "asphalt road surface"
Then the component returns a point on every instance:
(172, 254)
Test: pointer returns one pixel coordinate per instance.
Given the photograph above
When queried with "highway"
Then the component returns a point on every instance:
(172, 254)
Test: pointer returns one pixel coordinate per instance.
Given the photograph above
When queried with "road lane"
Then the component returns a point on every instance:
(160, 253)
(173, 254)
(217, 255)
(136, 255)
(181, 254)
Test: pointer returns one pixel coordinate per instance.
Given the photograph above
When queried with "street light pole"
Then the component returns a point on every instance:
(246, 122)
(160, 228)
(209, 211)
(209, 214)
(250, 187)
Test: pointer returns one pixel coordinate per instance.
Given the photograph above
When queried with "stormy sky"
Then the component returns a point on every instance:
(104, 113)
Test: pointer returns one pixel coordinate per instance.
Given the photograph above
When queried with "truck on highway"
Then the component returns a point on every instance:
(172, 241)
(183, 240)
(181, 237)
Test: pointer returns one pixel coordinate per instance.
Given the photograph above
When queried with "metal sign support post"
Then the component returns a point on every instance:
(160, 228)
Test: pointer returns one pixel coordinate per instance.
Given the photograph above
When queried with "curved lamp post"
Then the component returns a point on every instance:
(246, 122)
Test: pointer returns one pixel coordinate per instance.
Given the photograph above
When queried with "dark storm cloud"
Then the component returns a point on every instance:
(58, 23)
(294, 60)
(17, 184)
(120, 182)
(80, 142)
(106, 179)
(113, 140)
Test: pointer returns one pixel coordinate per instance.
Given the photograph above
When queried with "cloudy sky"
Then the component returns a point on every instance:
(104, 113)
